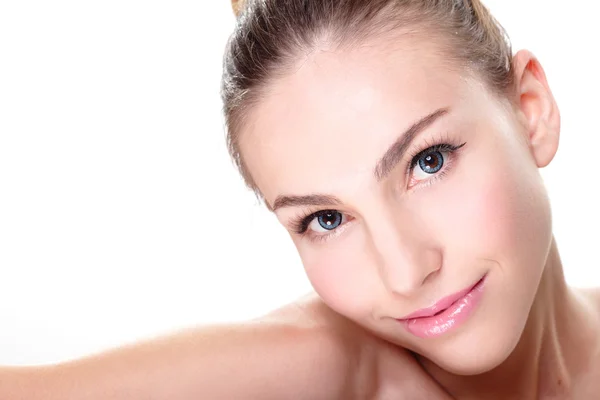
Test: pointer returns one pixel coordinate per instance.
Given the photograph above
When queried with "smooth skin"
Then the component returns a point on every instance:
(532, 337)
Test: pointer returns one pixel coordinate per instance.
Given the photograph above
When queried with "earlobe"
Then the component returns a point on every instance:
(542, 117)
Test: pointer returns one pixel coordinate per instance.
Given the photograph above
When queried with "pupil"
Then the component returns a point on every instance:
(432, 162)
(330, 220)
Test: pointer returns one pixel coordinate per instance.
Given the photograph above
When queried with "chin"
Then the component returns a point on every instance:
(477, 359)
(475, 351)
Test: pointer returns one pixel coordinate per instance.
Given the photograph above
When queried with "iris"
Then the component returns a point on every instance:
(330, 219)
(431, 162)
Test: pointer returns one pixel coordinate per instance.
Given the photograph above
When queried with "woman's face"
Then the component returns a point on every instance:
(458, 201)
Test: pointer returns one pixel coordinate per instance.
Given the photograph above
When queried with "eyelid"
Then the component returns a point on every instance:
(452, 152)
(439, 139)
(323, 237)
(447, 145)
(443, 144)
(301, 222)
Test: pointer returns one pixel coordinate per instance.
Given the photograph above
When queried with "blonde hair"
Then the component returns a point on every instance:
(271, 35)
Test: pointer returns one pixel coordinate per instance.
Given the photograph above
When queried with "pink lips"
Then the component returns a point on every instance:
(446, 314)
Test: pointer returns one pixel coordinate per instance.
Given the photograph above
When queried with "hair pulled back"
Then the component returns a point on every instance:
(271, 36)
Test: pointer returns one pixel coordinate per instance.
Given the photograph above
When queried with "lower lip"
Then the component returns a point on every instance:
(449, 319)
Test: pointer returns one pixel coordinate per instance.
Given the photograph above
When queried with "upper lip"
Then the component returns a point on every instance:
(441, 304)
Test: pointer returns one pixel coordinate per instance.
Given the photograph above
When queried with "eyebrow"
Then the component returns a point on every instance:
(396, 152)
(384, 166)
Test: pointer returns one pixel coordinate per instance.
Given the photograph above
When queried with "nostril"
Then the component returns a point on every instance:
(432, 275)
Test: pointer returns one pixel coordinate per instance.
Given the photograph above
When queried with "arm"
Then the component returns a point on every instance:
(257, 360)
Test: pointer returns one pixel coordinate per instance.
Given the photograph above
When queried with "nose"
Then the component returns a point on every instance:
(407, 257)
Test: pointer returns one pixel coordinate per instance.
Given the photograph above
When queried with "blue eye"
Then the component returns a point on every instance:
(431, 162)
(329, 220)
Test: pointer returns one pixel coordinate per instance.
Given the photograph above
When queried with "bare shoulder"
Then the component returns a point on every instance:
(590, 299)
(362, 365)
(323, 348)
(592, 293)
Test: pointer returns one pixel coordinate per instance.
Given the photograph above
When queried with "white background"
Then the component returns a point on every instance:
(121, 216)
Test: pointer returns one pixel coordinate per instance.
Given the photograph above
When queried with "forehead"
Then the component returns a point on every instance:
(327, 123)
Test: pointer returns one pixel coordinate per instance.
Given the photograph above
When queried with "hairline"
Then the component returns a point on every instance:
(388, 30)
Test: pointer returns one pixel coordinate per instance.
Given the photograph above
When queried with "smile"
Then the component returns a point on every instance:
(446, 314)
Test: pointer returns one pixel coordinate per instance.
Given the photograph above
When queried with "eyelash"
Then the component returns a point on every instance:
(300, 224)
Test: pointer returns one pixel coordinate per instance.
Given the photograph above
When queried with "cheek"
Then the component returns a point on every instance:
(485, 214)
(498, 213)
(342, 275)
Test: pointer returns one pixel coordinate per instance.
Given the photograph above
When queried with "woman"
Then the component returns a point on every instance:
(399, 142)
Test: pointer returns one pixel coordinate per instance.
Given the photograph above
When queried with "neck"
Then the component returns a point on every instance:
(550, 355)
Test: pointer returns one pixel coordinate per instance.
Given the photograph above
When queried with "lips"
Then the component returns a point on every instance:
(445, 315)
(441, 305)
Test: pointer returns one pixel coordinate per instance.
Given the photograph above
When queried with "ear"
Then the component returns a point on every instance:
(537, 104)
